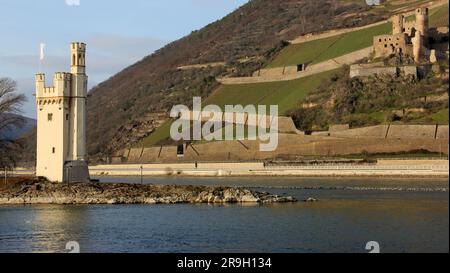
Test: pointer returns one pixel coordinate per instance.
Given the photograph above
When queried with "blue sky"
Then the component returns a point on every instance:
(118, 33)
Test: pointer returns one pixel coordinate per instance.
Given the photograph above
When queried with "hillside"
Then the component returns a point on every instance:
(135, 102)
(15, 133)
(255, 30)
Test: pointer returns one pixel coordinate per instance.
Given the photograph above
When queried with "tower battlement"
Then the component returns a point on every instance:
(40, 77)
(62, 76)
(60, 88)
(78, 46)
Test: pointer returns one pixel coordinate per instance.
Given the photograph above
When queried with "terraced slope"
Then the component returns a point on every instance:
(285, 94)
(328, 48)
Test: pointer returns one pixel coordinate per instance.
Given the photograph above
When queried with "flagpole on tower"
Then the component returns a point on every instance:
(41, 56)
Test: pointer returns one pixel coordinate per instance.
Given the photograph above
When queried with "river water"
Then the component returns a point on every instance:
(402, 215)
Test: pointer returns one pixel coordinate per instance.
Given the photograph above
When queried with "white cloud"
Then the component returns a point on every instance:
(73, 2)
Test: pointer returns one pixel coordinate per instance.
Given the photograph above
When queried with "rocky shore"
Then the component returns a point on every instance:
(43, 192)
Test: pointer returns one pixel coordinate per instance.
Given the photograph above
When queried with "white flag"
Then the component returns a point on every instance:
(42, 52)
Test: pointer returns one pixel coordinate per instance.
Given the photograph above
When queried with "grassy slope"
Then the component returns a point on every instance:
(161, 133)
(284, 94)
(439, 16)
(440, 117)
(328, 48)
(392, 5)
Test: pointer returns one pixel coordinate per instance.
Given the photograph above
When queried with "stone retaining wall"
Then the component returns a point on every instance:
(374, 139)
(290, 145)
(442, 132)
(332, 33)
(360, 70)
(379, 131)
(392, 131)
(412, 131)
(290, 72)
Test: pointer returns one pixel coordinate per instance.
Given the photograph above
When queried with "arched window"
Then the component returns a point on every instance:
(79, 58)
(73, 59)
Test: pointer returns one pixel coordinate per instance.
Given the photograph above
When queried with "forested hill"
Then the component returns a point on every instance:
(253, 32)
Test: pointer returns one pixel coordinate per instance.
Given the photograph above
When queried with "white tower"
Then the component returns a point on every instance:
(78, 102)
(61, 119)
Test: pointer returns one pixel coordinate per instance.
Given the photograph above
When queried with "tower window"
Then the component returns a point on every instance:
(50, 117)
(53, 150)
(67, 116)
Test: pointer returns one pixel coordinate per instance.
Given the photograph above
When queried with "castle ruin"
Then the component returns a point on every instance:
(408, 37)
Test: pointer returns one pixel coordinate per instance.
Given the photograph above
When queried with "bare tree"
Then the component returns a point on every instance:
(10, 109)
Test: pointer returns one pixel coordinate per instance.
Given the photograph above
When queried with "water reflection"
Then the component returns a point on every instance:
(42, 228)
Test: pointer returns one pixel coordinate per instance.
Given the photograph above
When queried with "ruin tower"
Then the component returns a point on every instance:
(418, 46)
(397, 24)
(422, 23)
(61, 123)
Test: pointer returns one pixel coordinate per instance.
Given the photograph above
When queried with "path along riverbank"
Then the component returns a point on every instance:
(382, 168)
(390, 168)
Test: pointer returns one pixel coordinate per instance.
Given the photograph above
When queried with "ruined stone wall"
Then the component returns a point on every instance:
(385, 45)
(398, 24)
(356, 71)
(409, 27)
(360, 70)
(409, 70)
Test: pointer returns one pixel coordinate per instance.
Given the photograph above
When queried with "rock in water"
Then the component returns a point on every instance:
(108, 193)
